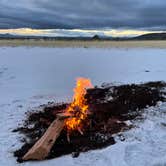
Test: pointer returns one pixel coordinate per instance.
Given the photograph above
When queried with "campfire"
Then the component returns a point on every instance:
(73, 118)
(88, 122)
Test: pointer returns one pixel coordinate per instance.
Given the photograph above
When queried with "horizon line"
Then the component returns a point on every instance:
(78, 32)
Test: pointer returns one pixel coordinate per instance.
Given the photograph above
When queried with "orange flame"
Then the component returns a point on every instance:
(78, 107)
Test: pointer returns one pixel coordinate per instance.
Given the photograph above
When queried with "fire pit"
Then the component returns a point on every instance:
(88, 122)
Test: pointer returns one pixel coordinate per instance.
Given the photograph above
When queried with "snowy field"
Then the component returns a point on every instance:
(33, 76)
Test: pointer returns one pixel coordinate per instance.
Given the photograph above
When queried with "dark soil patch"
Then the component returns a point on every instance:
(110, 107)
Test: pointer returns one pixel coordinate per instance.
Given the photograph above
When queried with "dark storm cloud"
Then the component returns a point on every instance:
(82, 14)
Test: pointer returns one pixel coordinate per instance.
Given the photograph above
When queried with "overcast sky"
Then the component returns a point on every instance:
(78, 14)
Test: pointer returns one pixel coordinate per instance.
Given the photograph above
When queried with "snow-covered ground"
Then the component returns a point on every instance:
(33, 76)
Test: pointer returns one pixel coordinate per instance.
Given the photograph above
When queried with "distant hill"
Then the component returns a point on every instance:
(7, 35)
(10, 36)
(151, 36)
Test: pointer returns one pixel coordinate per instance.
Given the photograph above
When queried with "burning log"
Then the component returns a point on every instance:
(43, 146)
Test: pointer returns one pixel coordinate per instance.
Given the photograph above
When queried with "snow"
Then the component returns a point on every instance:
(33, 76)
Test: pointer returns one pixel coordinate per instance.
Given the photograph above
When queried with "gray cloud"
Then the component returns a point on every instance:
(69, 14)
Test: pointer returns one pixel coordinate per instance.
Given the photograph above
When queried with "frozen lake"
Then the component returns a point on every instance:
(33, 76)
